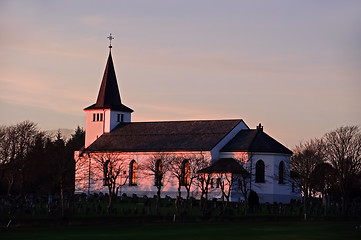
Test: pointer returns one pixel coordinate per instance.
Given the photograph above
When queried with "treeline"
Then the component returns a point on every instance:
(329, 167)
(32, 162)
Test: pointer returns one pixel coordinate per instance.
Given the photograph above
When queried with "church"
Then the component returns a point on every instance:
(170, 156)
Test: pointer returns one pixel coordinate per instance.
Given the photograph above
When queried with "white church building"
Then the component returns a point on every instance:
(109, 131)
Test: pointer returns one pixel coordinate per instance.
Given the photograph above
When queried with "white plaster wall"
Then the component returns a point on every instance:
(112, 117)
(215, 151)
(145, 183)
(93, 129)
(270, 191)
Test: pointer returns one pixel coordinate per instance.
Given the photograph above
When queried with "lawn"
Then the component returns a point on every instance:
(223, 230)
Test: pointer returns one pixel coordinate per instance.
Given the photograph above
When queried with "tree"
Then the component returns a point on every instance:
(35, 167)
(112, 167)
(229, 172)
(245, 178)
(204, 179)
(59, 166)
(185, 170)
(77, 140)
(16, 141)
(322, 181)
(75, 143)
(306, 157)
(177, 170)
(191, 168)
(157, 166)
(228, 181)
(343, 152)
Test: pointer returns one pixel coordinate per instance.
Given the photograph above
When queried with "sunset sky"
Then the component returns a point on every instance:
(294, 66)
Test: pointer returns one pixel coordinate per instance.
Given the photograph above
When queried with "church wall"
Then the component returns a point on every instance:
(90, 181)
(216, 150)
(272, 191)
(93, 129)
(111, 117)
(269, 191)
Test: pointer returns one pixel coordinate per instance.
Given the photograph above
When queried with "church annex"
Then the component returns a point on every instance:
(139, 151)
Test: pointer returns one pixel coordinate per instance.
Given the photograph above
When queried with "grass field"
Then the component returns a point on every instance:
(172, 231)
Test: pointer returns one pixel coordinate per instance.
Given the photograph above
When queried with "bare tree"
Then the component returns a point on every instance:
(184, 169)
(156, 167)
(112, 167)
(244, 177)
(343, 152)
(228, 172)
(16, 142)
(226, 182)
(307, 156)
(176, 168)
(322, 181)
(229, 181)
(194, 164)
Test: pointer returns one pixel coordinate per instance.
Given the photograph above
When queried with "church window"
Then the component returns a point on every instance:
(133, 172)
(281, 169)
(97, 117)
(218, 183)
(185, 173)
(106, 174)
(260, 172)
(212, 183)
(120, 117)
(158, 180)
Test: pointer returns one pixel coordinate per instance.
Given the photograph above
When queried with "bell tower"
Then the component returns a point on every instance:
(108, 111)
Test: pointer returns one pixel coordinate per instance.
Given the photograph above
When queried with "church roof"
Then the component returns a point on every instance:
(254, 140)
(108, 96)
(165, 136)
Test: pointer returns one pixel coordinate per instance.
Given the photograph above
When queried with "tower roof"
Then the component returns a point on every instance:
(108, 96)
(254, 140)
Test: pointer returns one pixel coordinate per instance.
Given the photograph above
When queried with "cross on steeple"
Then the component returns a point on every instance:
(110, 40)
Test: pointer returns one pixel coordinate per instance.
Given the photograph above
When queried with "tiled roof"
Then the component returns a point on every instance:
(254, 140)
(164, 136)
(108, 96)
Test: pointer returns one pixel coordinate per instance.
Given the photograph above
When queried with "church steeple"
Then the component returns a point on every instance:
(108, 111)
(108, 96)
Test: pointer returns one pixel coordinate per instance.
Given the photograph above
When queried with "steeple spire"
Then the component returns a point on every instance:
(109, 96)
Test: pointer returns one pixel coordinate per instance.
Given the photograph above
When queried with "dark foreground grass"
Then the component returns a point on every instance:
(189, 231)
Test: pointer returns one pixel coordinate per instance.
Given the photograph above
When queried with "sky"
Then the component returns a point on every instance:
(293, 66)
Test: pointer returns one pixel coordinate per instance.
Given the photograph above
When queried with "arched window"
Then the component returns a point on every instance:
(106, 173)
(133, 173)
(185, 173)
(158, 176)
(281, 170)
(260, 172)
